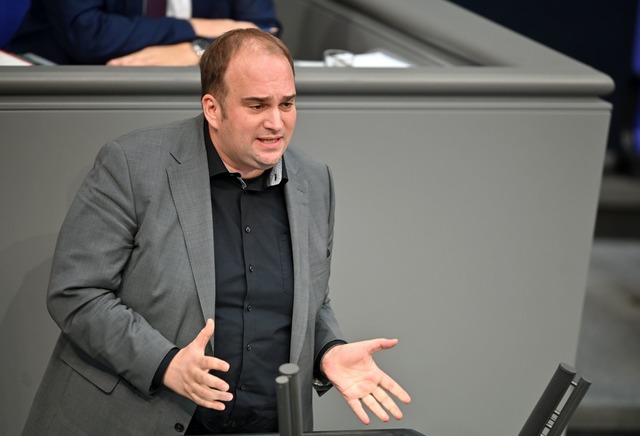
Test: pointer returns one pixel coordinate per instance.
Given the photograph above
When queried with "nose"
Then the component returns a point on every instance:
(273, 120)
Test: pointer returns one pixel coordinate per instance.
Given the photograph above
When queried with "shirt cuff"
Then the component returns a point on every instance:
(156, 383)
(319, 379)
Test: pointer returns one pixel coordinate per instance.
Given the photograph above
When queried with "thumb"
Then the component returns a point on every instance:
(375, 345)
(205, 334)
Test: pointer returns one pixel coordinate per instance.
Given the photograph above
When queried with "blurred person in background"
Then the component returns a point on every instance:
(133, 32)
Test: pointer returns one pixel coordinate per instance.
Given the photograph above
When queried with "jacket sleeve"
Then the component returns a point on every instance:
(95, 31)
(94, 246)
(92, 32)
(327, 328)
(260, 12)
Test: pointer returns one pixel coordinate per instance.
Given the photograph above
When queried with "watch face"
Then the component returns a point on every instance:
(199, 45)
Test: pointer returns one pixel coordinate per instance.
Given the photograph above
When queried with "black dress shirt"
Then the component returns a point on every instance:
(254, 295)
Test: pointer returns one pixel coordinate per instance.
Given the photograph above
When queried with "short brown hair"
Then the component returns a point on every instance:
(216, 58)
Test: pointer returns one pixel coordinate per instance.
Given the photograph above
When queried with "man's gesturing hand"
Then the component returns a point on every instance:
(188, 373)
(353, 372)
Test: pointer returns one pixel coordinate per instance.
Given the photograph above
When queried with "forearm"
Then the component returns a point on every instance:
(327, 328)
(92, 34)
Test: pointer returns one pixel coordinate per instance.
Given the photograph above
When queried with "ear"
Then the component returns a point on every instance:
(212, 110)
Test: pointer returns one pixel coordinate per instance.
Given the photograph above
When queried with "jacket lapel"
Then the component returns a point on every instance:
(297, 200)
(189, 182)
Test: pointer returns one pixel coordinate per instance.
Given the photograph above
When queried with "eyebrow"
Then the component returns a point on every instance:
(262, 100)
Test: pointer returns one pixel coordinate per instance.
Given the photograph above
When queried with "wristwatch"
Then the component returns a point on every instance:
(199, 45)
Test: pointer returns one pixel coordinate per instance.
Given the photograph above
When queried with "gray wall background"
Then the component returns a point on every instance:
(466, 205)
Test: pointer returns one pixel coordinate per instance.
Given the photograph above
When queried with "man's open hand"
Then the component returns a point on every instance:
(188, 373)
(353, 372)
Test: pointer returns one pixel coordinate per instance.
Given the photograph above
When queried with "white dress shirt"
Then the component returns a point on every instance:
(179, 9)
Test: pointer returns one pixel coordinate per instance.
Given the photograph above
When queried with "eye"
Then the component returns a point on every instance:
(287, 105)
(257, 107)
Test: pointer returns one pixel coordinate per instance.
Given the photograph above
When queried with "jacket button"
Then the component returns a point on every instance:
(179, 427)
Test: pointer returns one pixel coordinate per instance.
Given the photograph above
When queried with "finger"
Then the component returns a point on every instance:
(212, 399)
(357, 408)
(391, 386)
(387, 402)
(138, 58)
(375, 407)
(212, 382)
(213, 363)
(211, 395)
(375, 345)
(125, 61)
(209, 391)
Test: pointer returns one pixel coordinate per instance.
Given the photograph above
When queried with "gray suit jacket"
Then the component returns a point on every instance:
(133, 276)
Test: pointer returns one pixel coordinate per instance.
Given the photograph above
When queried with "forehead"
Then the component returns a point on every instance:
(255, 72)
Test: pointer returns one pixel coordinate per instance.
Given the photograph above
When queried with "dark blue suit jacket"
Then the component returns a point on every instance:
(95, 31)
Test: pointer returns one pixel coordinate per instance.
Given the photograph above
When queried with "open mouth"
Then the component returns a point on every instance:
(270, 140)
